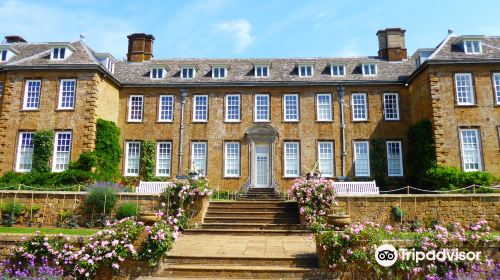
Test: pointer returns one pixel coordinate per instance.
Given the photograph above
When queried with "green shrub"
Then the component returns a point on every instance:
(421, 151)
(42, 150)
(126, 210)
(148, 160)
(12, 207)
(451, 178)
(377, 159)
(102, 200)
(71, 177)
(107, 150)
(86, 162)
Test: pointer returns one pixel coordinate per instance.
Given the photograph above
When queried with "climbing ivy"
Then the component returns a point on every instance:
(377, 160)
(421, 151)
(148, 160)
(107, 153)
(42, 151)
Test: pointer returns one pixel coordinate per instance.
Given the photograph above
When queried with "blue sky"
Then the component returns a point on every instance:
(256, 28)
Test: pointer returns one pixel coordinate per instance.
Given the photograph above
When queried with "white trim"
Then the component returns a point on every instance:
(238, 159)
(332, 163)
(204, 173)
(127, 144)
(61, 82)
(480, 51)
(160, 111)
(129, 119)
(262, 66)
(18, 152)
(330, 107)
(471, 89)
(397, 118)
(227, 108)
(365, 107)
(369, 66)
(297, 143)
(187, 68)
(496, 87)
(297, 108)
(400, 158)
(169, 159)
(54, 154)
(194, 108)
(268, 108)
(25, 97)
(306, 65)
(163, 73)
(356, 174)
(478, 151)
(67, 53)
(219, 67)
(337, 65)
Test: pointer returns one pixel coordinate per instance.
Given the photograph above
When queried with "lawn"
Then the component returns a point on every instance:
(30, 230)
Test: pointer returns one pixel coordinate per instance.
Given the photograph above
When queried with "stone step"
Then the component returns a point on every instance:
(249, 226)
(236, 271)
(281, 213)
(246, 232)
(212, 278)
(278, 209)
(299, 261)
(253, 204)
(259, 198)
(259, 220)
(261, 190)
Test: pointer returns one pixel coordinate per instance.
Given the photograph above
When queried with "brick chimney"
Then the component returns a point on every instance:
(11, 39)
(140, 47)
(391, 44)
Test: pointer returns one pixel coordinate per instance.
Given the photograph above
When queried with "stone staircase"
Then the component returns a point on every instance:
(256, 237)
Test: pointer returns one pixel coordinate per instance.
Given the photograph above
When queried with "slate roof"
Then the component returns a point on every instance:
(450, 49)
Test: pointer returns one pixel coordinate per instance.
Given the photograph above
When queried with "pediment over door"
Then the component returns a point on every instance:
(262, 132)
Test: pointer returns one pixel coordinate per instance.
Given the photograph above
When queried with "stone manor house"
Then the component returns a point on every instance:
(255, 122)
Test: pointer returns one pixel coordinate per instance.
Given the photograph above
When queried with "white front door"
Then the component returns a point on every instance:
(261, 163)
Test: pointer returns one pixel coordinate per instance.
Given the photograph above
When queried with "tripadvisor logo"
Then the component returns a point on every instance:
(386, 255)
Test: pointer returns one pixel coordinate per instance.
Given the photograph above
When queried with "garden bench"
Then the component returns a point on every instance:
(356, 188)
(153, 187)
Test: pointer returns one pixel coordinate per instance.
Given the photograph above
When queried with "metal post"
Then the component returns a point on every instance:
(341, 90)
(184, 94)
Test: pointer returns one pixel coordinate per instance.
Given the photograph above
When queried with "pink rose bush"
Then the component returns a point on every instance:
(351, 252)
(315, 198)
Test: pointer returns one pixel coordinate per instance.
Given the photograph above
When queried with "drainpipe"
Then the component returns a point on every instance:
(184, 94)
(342, 127)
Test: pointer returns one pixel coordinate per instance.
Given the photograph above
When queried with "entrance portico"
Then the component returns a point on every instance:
(261, 138)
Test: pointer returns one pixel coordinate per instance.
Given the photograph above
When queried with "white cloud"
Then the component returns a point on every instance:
(240, 29)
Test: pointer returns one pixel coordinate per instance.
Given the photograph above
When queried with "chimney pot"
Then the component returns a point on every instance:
(11, 39)
(391, 44)
(140, 47)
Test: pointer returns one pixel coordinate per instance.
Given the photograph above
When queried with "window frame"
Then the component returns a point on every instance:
(219, 68)
(169, 159)
(226, 107)
(188, 68)
(496, 87)
(129, 110)
(262, 66)
(268, 108)
(304, 75)
(4, 55)
(54, 155)
(127, 156)
(59, 102)
(195, 120)
(400, 158)
(297, 107)
(332, 163)
(155, 69)
(398, 117)
(365, 107)
(472, 91)
(238, 159)
(204, 174)
(473, 50)
(369, 68)
(355, 158)
(18, 152)
(25, 96)
(160, 120)
(285, 175)
(330, 107)
(337, 66)
(479, 148)
(53, 53)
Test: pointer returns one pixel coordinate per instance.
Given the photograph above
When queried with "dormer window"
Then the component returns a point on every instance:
(261, 70)
(188, 72)
(369, 69)
(157, 73)
(59, 53)
(337, 69)
(472, 46)
(107, 61)
(3, 56)
(6, 53)
(110, 66)
(219, 72)
(305, 70)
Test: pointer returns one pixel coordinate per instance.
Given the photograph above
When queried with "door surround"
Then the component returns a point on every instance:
(261, 134)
